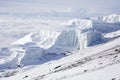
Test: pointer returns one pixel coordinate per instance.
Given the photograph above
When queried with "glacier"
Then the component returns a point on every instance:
(79, 34)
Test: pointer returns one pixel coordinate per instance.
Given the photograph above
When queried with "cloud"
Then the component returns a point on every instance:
(67, 7)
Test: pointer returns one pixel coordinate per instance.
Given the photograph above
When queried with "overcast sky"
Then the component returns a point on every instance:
(71, 7)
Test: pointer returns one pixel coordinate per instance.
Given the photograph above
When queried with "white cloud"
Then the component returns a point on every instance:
(82, 7)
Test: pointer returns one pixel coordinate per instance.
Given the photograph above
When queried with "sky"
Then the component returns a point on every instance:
(83, 8)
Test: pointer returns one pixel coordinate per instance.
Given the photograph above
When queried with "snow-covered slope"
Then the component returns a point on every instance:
(101, 60)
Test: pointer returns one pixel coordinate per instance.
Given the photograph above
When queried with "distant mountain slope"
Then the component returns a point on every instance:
(113, 18)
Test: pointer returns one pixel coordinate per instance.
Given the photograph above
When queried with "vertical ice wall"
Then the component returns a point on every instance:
(75, 39)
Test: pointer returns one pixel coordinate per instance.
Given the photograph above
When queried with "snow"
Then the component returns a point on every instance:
(113, 18)
(77, 40)
(105, 74)
(113, 34)
(44, 38)
(91, 69)
(40, 43)
(23, 40)
(13, 28)
(48, 41)
(80, 24)
(82, 49)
